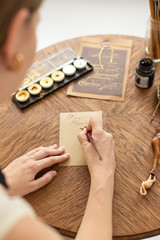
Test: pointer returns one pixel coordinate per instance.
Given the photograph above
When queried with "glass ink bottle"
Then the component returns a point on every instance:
(145, 72)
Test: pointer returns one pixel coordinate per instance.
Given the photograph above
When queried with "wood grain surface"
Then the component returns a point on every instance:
(62, 202)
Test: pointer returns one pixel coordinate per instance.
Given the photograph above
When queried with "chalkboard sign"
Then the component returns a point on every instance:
(111, 65)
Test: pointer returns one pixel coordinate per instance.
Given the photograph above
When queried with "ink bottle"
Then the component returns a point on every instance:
(145, 72)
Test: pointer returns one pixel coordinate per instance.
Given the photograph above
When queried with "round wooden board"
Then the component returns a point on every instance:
(62, 202)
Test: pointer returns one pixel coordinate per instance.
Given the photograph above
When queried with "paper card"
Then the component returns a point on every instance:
(70, 125)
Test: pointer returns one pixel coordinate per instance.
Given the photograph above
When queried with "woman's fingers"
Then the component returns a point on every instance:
(46, 152)
(47, 177)
(42, 181)
(33, 151)
(49, 161)
(94, 124)
(38, 149)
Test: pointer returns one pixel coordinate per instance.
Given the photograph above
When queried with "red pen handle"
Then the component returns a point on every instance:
(91, 140)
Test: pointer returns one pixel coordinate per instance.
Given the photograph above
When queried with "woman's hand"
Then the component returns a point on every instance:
(97, 220)
(20, 174)
(101, 170)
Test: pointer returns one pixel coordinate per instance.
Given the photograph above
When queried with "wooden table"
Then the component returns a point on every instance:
(62, 202)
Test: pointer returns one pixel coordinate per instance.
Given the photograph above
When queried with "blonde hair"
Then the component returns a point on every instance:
(8, 9)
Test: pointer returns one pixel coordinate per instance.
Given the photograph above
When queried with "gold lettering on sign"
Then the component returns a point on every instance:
(108, 82)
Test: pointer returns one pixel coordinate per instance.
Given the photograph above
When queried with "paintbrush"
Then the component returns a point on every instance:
(158, 96)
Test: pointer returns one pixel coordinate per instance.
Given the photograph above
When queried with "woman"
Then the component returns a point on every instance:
(18, 21)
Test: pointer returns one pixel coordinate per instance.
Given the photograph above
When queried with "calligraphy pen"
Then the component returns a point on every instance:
(91, 140)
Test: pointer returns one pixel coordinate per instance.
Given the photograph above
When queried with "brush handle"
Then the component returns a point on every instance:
(153, 115)
(91, 140)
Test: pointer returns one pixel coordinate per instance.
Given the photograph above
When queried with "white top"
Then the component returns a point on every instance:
(12, 210)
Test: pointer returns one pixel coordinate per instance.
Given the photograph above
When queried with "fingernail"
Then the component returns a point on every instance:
(54, 146)
(85, 130)
(61, 147)
(53, 173)
(66, 154)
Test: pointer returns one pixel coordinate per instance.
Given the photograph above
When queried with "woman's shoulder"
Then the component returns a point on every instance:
(12, 210)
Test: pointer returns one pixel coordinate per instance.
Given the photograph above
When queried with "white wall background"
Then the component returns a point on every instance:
(65, 19)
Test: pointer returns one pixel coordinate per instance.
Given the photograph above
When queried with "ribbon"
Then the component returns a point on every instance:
(105, 44)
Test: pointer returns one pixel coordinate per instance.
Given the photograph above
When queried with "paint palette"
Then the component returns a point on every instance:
(49, 75)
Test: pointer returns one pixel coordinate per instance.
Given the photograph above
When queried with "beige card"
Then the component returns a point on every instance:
(70, 125)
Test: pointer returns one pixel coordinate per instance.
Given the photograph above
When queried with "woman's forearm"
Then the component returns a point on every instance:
(97, 220)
